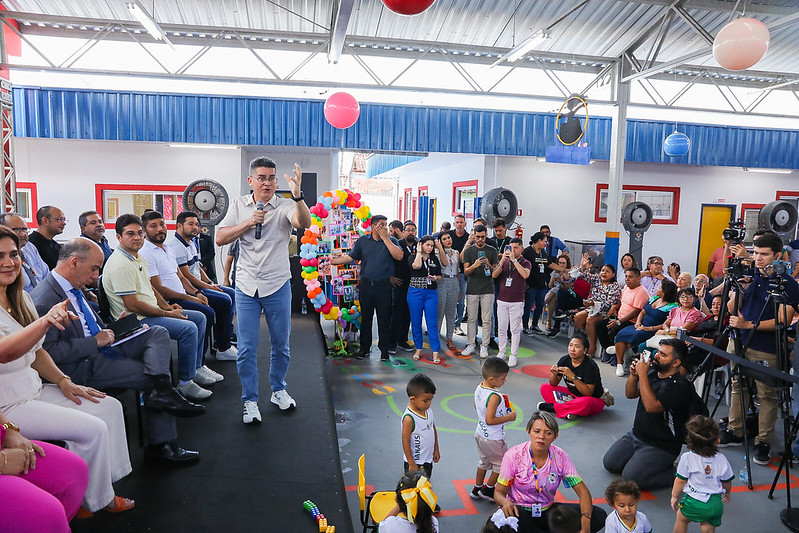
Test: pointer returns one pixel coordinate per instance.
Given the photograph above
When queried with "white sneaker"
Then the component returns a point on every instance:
(469, 350)
(231, 354)
(483, 352)
(192, 391)
(203, 378)
(282, 399)
(512, 361)
(251, 413)
(620, 370)
(610, 350)
(207, 372)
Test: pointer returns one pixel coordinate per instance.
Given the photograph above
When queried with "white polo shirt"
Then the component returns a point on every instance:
(161, 262)
(263, 264)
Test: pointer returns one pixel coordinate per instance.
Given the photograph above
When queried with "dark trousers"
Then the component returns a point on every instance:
(607, 337)
(376, 297)
(647, 465)
(533, 296)
(400, 315)
(539, 524)
(566, 301)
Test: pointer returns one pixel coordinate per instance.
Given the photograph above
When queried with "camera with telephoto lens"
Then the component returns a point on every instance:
(736, 233)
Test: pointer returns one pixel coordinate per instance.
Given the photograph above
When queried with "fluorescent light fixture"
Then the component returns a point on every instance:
(524, 47)
(141, 14)
(768, 170)
(204, 146)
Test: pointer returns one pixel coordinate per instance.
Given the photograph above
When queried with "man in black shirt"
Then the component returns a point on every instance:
(459, 238)
(400, 314)
(51, 221)
(646, 454)
(377, 255)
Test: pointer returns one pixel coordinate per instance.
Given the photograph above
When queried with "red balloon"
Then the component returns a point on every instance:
(305, 262)
(408, 7)
(342, 110)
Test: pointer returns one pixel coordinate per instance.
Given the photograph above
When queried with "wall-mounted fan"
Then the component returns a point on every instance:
(208, 199)
(780, 217)
(499, 202)
(636, 217)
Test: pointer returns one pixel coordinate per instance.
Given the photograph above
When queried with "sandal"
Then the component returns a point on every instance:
(119, 504)
(436, 360)
(417, 355)
(452, 347)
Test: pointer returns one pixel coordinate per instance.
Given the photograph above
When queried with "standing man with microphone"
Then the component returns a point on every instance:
(262, 223)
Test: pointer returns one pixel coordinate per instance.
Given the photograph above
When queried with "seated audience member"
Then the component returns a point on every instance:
(703, 296)
(686, 316)
(89, 422)
(653, 276)
(51, 221)
(605, 293)
(627, 261)
(220, 299)
(684, 280)
(415, 503)
(655, 312)
(41, 485)
(673, 271)
(92, 227)
(558, 281)
(582, 395)
(554, 246)
(205, 245)
(83, 349)
(633, 299)
(646, 454)
(708, 331)
(34, 269)
(126, 283)
(168, 280)
(538, 456)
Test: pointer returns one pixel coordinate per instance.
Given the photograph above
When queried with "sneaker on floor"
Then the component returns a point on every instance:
(192, 391)
(406, 346)
(546, 407)
(486, 493)
(528, 332)
(251, 413)
(282, 399)
(483, 352)
(469, 350)
(728, 438)
(512, 361)
(231, 354)
(611, 350)
(571, 417)
(761, 453)
(620, 371)
(537, 330)
(552, 333)
(392, 351)
(493, 344)
(386, 356)
(207, 372)
(475, 492)
(203, 378)
(459, 331)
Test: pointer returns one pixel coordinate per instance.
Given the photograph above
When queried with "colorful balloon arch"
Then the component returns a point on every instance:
(310, 246)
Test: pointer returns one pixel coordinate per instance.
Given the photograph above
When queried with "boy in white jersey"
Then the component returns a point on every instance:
(419, 435)
(623, 495)
(493, 412)
(704, 475)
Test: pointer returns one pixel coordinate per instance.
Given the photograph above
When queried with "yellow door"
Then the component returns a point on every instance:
(715, 218)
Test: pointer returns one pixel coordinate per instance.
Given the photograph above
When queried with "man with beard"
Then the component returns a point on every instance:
(51, 222)
(92, 227)
(646, 454)
(459, 239)
(33, 267)
(400, 314)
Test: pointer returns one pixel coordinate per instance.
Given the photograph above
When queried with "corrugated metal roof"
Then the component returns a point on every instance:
(601, 27)
(107, 115)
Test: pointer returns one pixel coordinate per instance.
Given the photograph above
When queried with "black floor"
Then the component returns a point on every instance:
(249, 478)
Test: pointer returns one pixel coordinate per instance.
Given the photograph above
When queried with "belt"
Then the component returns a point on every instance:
(450, 275)
(375, 282)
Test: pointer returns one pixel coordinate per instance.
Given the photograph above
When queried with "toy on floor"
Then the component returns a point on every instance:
(317, 515)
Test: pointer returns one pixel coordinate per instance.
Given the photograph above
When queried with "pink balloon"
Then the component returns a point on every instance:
(342, 110)
(314, 229)
(741, 43)
(408, 7)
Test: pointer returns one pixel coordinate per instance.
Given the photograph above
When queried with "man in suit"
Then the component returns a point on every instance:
(84, 350)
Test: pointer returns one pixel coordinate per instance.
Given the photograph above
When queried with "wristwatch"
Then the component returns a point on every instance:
(10, 425)
(299, 198)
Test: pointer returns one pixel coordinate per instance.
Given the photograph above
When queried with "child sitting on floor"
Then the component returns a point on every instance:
(415, 503)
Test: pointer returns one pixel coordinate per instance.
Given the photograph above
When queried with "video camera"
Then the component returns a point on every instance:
(736, 232)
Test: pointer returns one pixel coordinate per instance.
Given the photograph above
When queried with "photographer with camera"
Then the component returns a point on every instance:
(755, 323)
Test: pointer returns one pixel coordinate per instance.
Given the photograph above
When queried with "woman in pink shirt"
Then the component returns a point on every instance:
(686, 316)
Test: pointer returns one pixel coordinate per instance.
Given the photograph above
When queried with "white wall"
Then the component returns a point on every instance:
(563, 196)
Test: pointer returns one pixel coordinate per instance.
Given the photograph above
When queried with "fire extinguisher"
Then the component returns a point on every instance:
(520, 231)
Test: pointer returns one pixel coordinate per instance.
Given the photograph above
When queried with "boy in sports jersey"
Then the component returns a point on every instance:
(493, 412)
(623, 495)
(419, 435)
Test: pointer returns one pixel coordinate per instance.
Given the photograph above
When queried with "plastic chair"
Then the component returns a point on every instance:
(376, 506)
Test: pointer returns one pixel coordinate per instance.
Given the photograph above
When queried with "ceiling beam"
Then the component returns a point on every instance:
(722, 6)
(342, 11)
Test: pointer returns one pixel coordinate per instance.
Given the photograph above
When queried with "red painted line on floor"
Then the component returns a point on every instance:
(463, 493)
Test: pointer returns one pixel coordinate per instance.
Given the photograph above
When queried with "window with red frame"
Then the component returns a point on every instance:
(113, 200)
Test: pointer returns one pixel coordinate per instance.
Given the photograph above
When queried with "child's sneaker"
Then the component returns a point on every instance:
(475, 494)
(487, 493)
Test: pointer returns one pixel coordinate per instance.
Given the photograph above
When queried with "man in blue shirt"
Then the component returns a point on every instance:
(34, 270)
(377, 255)
(554, 246)
(762, 348)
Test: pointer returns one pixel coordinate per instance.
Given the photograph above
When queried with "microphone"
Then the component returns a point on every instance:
(259, 205)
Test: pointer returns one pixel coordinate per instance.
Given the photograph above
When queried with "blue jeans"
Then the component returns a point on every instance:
(223, 303)
(533, 296)
(188, 333)
(461, 300)
(277, 313)
(210, 317)
(419, 301)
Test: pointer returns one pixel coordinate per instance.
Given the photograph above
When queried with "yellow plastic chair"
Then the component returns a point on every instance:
(376, 506)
